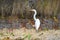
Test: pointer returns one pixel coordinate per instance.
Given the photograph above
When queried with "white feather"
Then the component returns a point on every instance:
(37, 21)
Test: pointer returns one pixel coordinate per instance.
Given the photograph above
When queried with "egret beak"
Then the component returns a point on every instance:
(29, 9)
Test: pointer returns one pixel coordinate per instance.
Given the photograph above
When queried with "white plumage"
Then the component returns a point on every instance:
(37, 24)
(37, 21)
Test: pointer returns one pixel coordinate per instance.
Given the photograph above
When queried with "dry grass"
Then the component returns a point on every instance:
(27, 34)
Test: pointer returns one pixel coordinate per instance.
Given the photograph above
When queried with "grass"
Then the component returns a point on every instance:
(29, 36)
(12, 34)
(1, 34)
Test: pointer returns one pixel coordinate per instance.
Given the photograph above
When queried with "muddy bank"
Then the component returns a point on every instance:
(28, 23)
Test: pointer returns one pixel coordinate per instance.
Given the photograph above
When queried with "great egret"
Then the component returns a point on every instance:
(37, 21)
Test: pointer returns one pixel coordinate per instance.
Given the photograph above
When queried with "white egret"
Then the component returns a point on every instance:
(37, 21)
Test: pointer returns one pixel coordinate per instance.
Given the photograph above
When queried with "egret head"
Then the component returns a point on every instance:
(32, 10)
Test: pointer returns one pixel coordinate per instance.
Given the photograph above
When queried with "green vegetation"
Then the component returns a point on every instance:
(29, 36)
(12, 34)
(1, 34)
